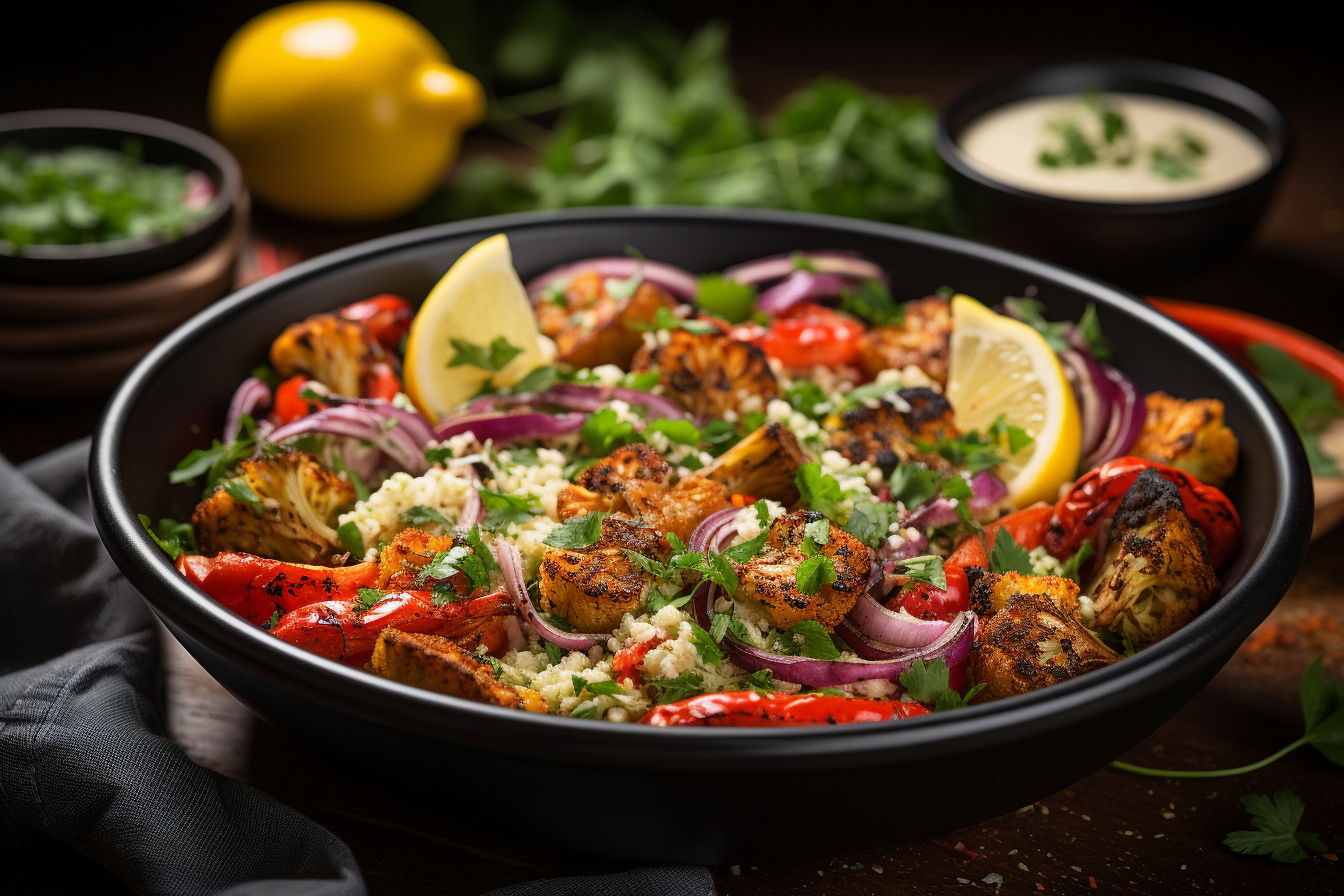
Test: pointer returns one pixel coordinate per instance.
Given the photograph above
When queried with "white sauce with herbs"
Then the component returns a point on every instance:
(1007, 144)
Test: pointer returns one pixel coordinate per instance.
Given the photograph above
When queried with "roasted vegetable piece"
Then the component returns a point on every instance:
(386, 317)
(593, 587)
(751, 709)
(1027, 526)
(435, 663)
(710, 374)
(1081, 514)
(291, 520)
(1032, 643)
(990, 592)
(765, 464)
(344, 630)
(600, 487)
(771, 577)
(1188, 435)
(338, 353)
(1156, 574)
(591, 327)
(921, 339)
(885, 435)
(256, 587)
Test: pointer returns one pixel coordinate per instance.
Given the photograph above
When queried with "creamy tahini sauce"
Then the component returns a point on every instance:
(1006, 144)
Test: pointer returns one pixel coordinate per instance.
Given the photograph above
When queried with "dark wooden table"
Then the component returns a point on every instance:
(1109, 833)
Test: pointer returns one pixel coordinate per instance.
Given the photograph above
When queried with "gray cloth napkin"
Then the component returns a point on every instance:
(82, 754)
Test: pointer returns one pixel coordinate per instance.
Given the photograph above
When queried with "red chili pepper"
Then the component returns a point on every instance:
(382, 382)
(255, 587)
(288, 405)
(386, 317)
(752, 709)
(1079, 515)
(924, 601)
(1028, 528)
(626, 662)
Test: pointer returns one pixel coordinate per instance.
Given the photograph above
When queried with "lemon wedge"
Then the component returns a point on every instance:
(480, 299)
(1002, 366)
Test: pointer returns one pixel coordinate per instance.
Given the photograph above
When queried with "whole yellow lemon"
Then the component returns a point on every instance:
(343, 111)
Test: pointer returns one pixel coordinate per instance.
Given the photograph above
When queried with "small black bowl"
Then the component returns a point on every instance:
(702, 795)
(161, 143)
(1137, 244)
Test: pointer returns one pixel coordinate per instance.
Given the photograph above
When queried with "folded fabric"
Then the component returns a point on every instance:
(82, 755)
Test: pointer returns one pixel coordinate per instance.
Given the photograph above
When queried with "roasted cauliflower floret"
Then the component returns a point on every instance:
(771, 577)
(600, 486)
(678, 510)
(1155, 575)
(1188, 435)
(1032, 643)
(710, 374)
(593, 587)
(921, 339)
(590, 326)
(437, 664)
(297, 500)
(990, 592)
(336, 352)
(885, 435)
(764, 464)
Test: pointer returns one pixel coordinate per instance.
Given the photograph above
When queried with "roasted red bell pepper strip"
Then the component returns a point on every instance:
(288, 405)
(382, 382)
(386, 317)
(343, 630)
(1094, 497)
(1028, 528)
(255, 587)
(752, 709)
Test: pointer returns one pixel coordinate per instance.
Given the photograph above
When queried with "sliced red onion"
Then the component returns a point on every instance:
(585, 398)
(800, 286)
(511, 565)
(473, 511)
(502, 428)
(711, 528)
(1128, 411)
(200, 190)
(361, 423)
(938, 512)
(1095, 394)
(987, 489)
(681, 283)
(414, 425)
(826, 261)
(898, 629)
(362, 458)
(250, 395)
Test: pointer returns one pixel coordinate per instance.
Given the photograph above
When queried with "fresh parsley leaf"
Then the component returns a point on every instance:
(239, 490)
(958, 488)
(925, 682)
(739, 630)
(670, 690)
(727, 299)
(801, 262)
(912, 485)
(817, 643)
(420, 514)
(524, 457)
(501, 509)
(266, 374)
(741, 553)
(481, 551)
(818, 491)
(559, 622)
(718, 627)
(870, 521)
(175, 538)
(1031, 312)
(537, 380)
(872, 302)
(970, 451)
(663, 319)
(1308, 399)
(927, 568)
(361, 488)
(217, 462)
(604, 688)
(657, 602)
(553, 653)
(648, 564)
(718, 436)
(1009, 556)
(623, 289)
(351, 539)
(367, 598)
(706, 646)
(819, 531)
(492, 357)
(683, 432)
(604, 432)
(808, 399)
(577, 531)
(586, 712)
(438, 454)
(1015, 437)
(444, 593)
(814, 573)
(496, 667)
(1089, 325)
(762, 513)
(273, 621)
(675, 543)
(950, 699)
(1072, 567)
(1276, 834)
(760, 680)
(720, 570)
(445, 564)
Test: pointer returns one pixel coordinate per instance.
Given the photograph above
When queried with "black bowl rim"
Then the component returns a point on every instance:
(188, 612)
(1183, 77)
(130, 124)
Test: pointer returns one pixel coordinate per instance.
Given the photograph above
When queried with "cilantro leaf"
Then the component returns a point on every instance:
(367, 598)
(741, 553)
(927, 568)
(492, 357)
(577, 531)
(175, 538)
(727, 299)
(1276, 834)
(239, 490)
(1072, 567)
(683, 432)
(217, 462)
(501, 510)
(537, 380)
(925, 682)
(663, 319)
(814, 573)
(603, 431)
(818, 491)
(1015, 437)
(657, 602)
(872, 302)
(912, 485)
(648, 564)
(420, 514)
(817, 643)
(670, 690)
(351, 538)
(870, 521)
(705, 645)
(1009, 556)
(1309, 400)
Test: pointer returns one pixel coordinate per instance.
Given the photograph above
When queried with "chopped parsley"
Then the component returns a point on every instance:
(683, 432)
(705, 645)
(927, 568)
(818, 491)
(1014, 437)
(970, 451)
(351, 538)
(663, 319)
(870, 521)
(808, 399)
(420, 514)
(1009, 556)
(367, 598)
(816, 641)
(239, 490)
(872, 303)
(175, 538)
(912, 485)
(577, 531)
(657, 602)
(217, 462)
(727, 299)
(814, 573)
(670, 690)
(1309, 400)
(603, 431)
(927, 682)
(537, 380)
(492, 357)
(1072, 567)
(501, 509)
(1031, 312)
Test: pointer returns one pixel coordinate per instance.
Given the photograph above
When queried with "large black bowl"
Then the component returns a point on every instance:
(704, 795)
(1135, 243)
(161, 143)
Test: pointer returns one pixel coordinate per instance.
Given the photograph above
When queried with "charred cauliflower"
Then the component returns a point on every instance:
(921, 339)
(590, 326)
(594, 587)
(710, 374)
(1155, 574)
(764, 464)
(280, 507)
(336, 352)
(885, 435)
(437, 664)
(1032, 643)
(990, 592)
(771, 577)
(1188, 435)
